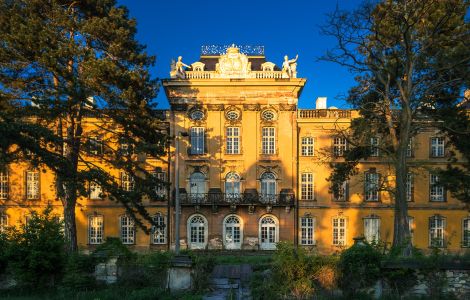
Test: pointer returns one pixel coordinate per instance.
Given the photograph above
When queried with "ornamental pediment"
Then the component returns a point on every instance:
(233, 64)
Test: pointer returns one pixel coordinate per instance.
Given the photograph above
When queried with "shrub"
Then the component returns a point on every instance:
(78, 274)
(35, 251)
(359, 267)
(146, 270)
(113, 247)
(202, 268)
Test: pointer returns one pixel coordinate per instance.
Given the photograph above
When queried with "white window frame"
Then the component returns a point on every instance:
(374, 147)
(409, 148)
(409, 187)
(232, 140)
(158, 233)
(127, 230)
(411, 226)
(466, 232)
(343, 195)
(95, 191)
(267, 239)
(127, 182)
(233, 187)
(197, 234)
(3, 222)
(4, 184)
(307, 186)
(437, 147)
(437, 193)
(268, 182)
(339, 225)
(124, 148)
(160, 188)
(340, 145)
(95, 145)
(437, 229)
(371, 187)
(308, 146)
(307, 231)
(197, 136)
(268, 141)
(95, 229)
(33, 185)
(232, 232)
(372, 229)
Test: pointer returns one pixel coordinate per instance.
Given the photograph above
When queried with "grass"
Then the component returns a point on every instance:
(108, 293)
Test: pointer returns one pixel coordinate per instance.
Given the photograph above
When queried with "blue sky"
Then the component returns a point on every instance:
(172, 28)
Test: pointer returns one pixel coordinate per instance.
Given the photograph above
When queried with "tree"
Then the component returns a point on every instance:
(70, 70)
(409, 57)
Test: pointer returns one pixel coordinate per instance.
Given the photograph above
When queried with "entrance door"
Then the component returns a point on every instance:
(232, 233)
(268, 233)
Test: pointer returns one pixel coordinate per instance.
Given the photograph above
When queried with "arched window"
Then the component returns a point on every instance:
(268, 187)
(268, 232)
(197, 187)
(197, 232)
(233, 232)
(3, 221)
(127, 230)
(159, 229)
(232, 186)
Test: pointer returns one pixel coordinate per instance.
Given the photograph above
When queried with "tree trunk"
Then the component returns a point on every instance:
(69, 220)
(401, 233)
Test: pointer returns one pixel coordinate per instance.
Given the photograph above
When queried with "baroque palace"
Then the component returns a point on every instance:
(251, 170)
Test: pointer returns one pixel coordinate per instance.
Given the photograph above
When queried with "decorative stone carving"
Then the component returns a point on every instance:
(289, 66)
(287, 107)
(215, 244)
(251, 107)
(250, 243)
(215, 107)
(177, 68)
(233, 64)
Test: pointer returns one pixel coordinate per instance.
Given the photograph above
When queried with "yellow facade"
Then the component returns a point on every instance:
(253, 168)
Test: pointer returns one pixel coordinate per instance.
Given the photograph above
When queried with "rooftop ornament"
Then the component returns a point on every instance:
(222, 49)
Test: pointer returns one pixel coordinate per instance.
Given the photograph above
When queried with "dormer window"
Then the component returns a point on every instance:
(267, 67)
(198, 66)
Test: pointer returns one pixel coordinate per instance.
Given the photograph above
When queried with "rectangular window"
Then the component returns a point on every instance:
(411, 225)
(409, 148)
(437, 147)
(269, 140)
(32, 185)
(125, 148)
(307, 231)
(307, 187)
(4, 185)
(197, 140)
(308, 146)
(127, 230)
(127, 182)
(343, 190)
(158, 230)
(436, 191)
(233, 140)
(160, 187)
(339, 146)
(409, 187)
(339, 231)
(372, 229)
(95, 230)
(466, 233)
(374, 144)
(95, 191)
(436, 231)
(371, 186)
(3, 222)
(95, 145)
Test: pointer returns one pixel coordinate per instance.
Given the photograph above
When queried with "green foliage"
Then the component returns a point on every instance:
(35, 251)
(113, 247)
(202, 268)
(360, 268)
(78, 275)
(145, 270)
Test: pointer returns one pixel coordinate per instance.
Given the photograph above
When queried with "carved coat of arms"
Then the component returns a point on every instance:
(233, 64)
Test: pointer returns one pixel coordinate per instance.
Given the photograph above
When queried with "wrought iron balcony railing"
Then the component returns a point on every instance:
(237, 199)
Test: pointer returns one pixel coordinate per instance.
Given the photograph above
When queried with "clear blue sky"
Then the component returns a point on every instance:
(172, 28)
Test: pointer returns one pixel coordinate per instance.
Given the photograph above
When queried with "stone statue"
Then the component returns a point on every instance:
(179, 68)
(290, 66)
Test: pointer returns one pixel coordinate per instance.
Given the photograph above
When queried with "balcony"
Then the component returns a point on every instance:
(222, 199)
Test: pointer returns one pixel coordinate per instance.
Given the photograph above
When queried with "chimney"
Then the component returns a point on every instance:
(320, 103)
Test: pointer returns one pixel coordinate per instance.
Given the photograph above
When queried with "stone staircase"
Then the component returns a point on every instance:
(230, 282)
